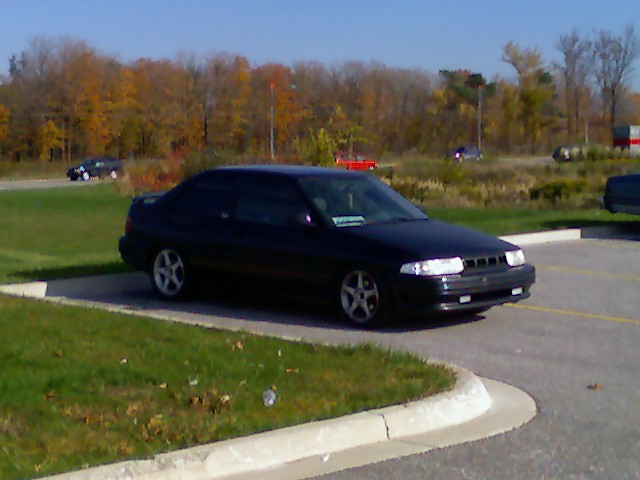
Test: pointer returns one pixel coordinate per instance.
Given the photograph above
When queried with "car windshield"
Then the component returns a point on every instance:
(347, 201)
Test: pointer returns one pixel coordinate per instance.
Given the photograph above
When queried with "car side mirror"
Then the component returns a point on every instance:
(301, 220)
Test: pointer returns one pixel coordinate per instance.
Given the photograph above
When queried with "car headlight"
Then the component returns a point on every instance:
(437, 266)
(515, 258)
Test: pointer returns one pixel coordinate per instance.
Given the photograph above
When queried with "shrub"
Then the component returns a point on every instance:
(317, 149)
(151, 175)
(557, 190)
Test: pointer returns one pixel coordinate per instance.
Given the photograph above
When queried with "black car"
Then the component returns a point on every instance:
(327, 234)
(622, 194)
(564, 153)
(96, 167)
(469, 152)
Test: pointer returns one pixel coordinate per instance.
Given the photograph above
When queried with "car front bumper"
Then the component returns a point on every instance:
(459, 293)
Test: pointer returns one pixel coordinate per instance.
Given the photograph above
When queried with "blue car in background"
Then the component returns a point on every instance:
(622, 194)
(469, 152)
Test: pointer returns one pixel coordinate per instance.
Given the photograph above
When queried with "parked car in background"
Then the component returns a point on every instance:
(96, 167)
(469, 152)
(622, 194)
(323, 234)
(566, 153)
(355, 161)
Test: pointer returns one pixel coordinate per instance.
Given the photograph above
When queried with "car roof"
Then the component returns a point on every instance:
(291, 170)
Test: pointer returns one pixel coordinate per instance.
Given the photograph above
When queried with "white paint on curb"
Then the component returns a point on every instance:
(538, 238)
(257, 452)
(32, 289)
(469, 400)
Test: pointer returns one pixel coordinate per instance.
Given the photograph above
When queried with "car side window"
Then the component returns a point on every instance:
(269, 200)
(207, 196)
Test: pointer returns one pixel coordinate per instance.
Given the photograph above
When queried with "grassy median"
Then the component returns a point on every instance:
(82, 387)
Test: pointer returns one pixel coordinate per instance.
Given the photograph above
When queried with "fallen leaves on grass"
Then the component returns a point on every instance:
(155, 427)
(132, 410)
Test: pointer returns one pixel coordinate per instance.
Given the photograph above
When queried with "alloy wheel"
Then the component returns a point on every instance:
(360, 297)
(168, 274)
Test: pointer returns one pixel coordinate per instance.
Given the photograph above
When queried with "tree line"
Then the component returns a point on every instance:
(63, 100)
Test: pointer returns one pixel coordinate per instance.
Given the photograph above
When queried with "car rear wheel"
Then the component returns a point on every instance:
(169, 274)
(363, 299)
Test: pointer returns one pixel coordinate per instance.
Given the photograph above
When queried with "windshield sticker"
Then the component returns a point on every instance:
(348, 221)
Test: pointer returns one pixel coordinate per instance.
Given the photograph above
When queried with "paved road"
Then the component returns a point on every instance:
(574, 346)
(44, 183)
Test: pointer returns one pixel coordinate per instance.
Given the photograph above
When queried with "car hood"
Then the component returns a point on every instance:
(423, 239)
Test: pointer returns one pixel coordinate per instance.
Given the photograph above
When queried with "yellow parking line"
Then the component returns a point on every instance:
(572, 313)
(589, 272)
(615, 243)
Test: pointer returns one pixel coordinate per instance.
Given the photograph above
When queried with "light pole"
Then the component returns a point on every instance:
(480, 117)
(272, 112)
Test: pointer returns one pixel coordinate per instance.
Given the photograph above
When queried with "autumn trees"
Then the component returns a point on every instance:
(596, 66)
(62, 100)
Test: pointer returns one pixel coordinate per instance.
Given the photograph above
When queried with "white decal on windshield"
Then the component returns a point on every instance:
(348, 221)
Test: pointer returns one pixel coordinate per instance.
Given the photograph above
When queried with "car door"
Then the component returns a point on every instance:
(274, 241)
(199, 218)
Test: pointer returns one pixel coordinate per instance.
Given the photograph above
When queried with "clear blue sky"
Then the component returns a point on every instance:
(424, 34)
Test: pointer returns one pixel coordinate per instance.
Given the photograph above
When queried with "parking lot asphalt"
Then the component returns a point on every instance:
(573, 346)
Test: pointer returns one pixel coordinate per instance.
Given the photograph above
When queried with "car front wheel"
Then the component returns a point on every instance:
(363, 299)
(169, 275)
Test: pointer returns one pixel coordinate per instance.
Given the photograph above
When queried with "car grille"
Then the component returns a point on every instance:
(485, 261)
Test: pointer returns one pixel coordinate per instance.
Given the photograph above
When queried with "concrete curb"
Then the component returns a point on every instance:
(538, 238)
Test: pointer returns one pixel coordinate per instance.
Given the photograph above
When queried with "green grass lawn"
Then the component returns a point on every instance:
(81, 386)
(61, 232)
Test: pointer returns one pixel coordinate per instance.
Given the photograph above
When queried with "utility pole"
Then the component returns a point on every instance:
(480, 117)
(272, 112)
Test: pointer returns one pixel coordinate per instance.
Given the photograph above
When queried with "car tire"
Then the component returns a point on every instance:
(363, 299)
(169, 274)
(86, 176)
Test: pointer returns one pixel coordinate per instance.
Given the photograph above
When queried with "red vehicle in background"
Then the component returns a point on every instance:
(355, 161)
